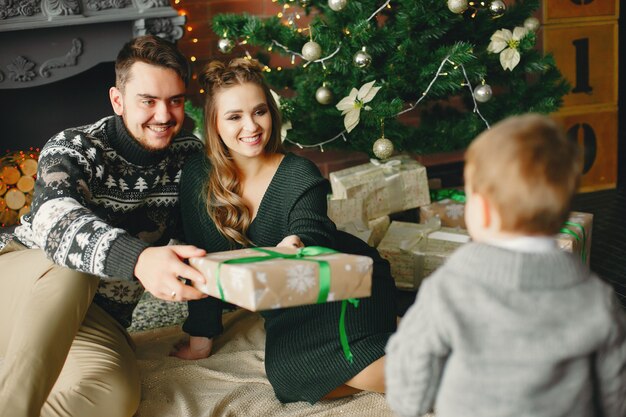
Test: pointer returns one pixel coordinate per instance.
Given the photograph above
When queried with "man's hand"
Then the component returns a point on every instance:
(159, 268)
(291, 241)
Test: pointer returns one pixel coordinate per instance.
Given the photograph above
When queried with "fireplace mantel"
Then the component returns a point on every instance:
(43, 41)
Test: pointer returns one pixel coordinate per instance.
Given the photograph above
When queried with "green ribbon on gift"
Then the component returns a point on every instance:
(450, 193)
(302, 254)
(582, 237)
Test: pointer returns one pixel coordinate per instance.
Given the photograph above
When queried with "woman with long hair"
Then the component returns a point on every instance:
(247, 191)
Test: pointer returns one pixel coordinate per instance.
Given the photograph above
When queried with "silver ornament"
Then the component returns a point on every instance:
(225, 45)
(497, 8)
(531, 23)
(457, 6)
(304, 3)
(311, 51)
(362, 59)
(337, 5)
(483, 93)
(323, 95)
(383, 148)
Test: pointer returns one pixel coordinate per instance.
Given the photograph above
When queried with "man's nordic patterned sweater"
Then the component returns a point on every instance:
(100, 200)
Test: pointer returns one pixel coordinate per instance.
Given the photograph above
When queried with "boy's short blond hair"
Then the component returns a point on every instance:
(528, 170)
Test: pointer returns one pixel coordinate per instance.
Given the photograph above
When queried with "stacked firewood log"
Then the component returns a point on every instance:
(18, 171)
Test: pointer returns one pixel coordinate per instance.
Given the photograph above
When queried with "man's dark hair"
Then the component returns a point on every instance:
(151, 50)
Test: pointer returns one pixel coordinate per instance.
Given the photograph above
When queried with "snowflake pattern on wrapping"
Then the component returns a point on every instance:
(364, 264)
(237, 277)
(301, 278)
(262, 277)
(455, 211)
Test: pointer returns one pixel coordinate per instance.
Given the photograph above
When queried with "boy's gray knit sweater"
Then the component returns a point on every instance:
(101, 199)
(501, 333)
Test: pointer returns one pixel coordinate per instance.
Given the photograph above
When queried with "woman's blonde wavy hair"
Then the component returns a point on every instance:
(225, 205)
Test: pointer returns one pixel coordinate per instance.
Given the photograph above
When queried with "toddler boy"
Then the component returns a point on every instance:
(510, 325)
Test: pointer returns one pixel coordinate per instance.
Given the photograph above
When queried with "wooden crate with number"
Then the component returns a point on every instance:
(557, 10)
(595, 130)
(586, 54)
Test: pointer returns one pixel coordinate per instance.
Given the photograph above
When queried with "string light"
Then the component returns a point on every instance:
(193, 58)
(467, 83)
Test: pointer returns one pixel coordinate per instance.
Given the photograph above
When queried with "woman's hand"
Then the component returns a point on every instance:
(291, 241)
(194, 348)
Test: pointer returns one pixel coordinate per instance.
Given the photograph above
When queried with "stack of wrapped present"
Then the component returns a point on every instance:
(363, 196)
(448, 205)
(416, 250)
(575, 235)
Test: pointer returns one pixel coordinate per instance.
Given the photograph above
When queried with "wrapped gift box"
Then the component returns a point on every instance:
(267, 281)
(575, 236)
(416, 250)
(451, 213)
(372, 232)
(398, 184)
(347, 210)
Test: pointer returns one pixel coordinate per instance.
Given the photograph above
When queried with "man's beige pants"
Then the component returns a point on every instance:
(62, 355)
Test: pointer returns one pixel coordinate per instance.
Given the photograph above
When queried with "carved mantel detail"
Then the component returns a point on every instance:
(13, 8)
(107, 4)
(21, 69)
(43, 41)
(170, 28)
(148, 4)
(69, 60)
(61, 7)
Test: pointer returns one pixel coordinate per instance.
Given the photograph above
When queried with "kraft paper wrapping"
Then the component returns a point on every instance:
(398, 184)
(279, 283)
(372, 232)
(450, 212)
(417, 250)
(575, 240)
(347, 210)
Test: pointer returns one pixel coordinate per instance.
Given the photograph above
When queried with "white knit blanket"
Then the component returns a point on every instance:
(231, 382)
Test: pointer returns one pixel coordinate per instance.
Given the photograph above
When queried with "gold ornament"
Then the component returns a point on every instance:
(324, 95)
(311, 51)
(483, 93)
(497, 8)
(383, 148)
(457, 6)
(337, 5)
(362, 59)
(225, 45)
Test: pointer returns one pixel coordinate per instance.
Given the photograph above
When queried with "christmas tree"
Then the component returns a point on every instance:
(421, 76)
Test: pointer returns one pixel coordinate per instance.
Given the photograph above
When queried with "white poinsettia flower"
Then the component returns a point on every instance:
(283, 130)
(286, 124)
(276, 97)
(351, 105)
(506, 43)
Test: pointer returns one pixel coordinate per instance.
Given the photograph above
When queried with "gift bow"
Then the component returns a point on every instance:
(302, 254)
(420, 240)
(583, 237)
(449, 193)
(389, 166)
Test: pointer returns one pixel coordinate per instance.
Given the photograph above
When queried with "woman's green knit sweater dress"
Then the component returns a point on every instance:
(304, 359)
